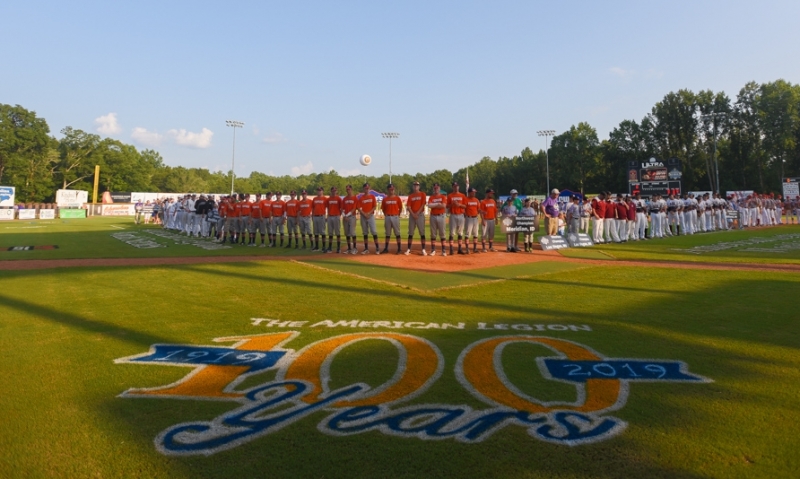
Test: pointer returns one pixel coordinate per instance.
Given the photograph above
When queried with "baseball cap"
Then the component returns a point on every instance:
(472, 190)
(416, 183)
(514, 192)
(365, 185)
(455, 183)
(555, 190)
(489, 190)
(319, 188)
(303, 191)
(390, 186)
(436, 184)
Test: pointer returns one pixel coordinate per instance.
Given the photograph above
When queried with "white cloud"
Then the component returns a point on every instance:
(274, 138)
(303, 170)
(191, 139)
(621, 72)
(353, 172)
(107, 124)
(146, 138)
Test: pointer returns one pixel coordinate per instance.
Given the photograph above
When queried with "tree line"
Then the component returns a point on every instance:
(755, 139)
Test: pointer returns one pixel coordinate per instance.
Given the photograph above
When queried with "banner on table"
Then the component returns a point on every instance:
(579, 240)
(553, 242)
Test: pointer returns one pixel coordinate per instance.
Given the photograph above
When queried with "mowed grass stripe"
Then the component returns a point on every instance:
(434, 281)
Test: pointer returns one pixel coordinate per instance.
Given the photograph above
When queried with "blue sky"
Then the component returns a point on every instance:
(317, 82)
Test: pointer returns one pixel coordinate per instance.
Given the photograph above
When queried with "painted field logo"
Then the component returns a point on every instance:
(300, 388)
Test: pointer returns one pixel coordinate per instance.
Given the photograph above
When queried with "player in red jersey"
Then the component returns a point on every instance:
(349, 203)
(334, 221)
(278, 213)
(415, 204)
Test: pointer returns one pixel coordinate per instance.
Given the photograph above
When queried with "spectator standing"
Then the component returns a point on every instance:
(550, 207)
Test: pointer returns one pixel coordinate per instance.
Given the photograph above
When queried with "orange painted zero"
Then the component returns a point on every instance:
(478, 368)
(421, 367)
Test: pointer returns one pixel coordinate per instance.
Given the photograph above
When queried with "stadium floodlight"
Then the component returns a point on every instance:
(233, 124)
(546, 134)
(714, 117)
(390, 135)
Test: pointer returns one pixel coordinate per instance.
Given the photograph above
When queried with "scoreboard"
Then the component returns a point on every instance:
(650, 188)
(655, 177)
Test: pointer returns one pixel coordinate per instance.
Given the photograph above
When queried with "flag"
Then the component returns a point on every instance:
(467, 180)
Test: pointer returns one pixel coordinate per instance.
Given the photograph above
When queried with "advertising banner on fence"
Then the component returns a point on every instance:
(6, 214)
(791, 187)
(47, 214)
(118, 210)
(6, 196)
(77, 213)
(116, 197)
(71, 198)
(29, 214)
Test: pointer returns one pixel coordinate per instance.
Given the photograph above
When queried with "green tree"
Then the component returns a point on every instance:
(25, 153)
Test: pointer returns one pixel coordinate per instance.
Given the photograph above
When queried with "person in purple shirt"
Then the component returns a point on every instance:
(550, 207)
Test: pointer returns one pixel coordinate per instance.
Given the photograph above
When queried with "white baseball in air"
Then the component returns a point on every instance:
(365, 160)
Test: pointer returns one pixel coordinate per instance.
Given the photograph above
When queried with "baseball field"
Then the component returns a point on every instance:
(131, 352)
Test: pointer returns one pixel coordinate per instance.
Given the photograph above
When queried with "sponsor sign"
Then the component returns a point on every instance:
(27, 214)
(49, 214)
(71, 213)
(117, 210)
(137, 241)
(553, 242)
(71, 198)
(579, 240)
(519, 224)
(6, 214)
(117, 197)
(301, 388)
(791, 187)
(7, 196)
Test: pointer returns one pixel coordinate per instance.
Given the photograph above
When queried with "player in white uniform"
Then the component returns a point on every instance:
(641, 217)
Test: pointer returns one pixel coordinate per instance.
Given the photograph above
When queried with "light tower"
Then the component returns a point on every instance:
(234, 124)
(546, 134)
(390, 136)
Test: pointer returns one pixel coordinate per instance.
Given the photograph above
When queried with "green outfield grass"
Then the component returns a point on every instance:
(63, 329)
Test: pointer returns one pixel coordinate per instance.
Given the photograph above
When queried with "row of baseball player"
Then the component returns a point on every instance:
(308, 221)
(633, 218)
